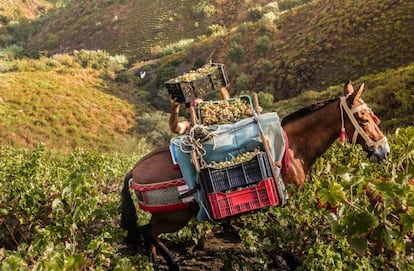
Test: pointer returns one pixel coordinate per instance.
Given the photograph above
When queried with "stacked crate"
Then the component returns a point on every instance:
(239, 188)
(197, 83)
(235, 188)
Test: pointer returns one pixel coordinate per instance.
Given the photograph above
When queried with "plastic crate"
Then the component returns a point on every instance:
(262, 195)
(181, 91)
(214, 180)
(218, 77)
(202, 86)
(185, 91)
(224, 115)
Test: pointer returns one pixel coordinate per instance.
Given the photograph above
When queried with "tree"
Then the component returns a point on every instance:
(236, 53)
(242, 82)
(262, 45)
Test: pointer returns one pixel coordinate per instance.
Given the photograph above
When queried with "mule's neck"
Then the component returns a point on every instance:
(311, 135)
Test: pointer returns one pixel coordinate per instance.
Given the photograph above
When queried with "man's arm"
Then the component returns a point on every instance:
(224, 93)
(178, 127)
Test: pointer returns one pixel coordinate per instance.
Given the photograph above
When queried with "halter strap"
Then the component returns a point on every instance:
(358, 130)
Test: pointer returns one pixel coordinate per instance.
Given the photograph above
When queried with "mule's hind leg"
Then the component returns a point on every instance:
(152, 242)
(166, 223)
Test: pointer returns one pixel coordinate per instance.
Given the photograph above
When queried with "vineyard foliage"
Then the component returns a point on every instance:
(61, 212)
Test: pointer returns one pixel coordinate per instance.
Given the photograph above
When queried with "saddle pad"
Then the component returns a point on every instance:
(162, 197)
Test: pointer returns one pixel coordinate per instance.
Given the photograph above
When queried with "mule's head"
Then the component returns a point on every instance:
(365, 124)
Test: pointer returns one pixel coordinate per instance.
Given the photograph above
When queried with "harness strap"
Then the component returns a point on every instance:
(358, 130)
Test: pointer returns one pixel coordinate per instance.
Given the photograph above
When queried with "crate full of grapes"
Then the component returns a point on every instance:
(197, 83)
(225, 111)
(245, 169)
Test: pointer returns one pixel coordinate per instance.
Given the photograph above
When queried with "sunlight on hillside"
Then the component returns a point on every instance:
(64, 108)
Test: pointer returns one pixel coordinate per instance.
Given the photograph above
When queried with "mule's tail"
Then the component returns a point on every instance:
(129, 215)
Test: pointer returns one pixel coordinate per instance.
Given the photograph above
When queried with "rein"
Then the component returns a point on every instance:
(358, 130)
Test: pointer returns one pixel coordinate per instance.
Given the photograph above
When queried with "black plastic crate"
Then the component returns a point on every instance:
(202, 86)
(174, 89)
(229, 178)
(184, 91)
(218, 77)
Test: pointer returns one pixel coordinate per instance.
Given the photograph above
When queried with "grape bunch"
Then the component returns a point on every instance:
(237, 160)
(224, 111)
(194, 74)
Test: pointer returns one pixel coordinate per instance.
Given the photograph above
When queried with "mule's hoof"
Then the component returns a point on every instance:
(128, 251)
(174, 267)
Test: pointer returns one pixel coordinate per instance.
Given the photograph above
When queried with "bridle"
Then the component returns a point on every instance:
(372, 145)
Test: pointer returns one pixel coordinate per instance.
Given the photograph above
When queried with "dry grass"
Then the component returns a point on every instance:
(62, 109)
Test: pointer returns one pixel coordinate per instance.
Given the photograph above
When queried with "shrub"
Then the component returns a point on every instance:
(155, 128)
(266, 66)
(233, 70)
(262, 45)
(242, 82)
(65, 59)
(177, 46)
(93, 59)
(216, 30)
(236, 53)
(12, 52)
(266, 99)
(117, 63)
(255, 13)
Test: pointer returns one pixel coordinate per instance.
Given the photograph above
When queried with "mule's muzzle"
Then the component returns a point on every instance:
(379, 154)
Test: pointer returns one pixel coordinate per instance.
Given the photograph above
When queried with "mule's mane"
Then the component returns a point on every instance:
(307, 110)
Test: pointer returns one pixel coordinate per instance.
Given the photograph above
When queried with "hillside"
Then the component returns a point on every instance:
(67, 106)
(14, 9)
(311, 47)
(63, 107)
(137, 29)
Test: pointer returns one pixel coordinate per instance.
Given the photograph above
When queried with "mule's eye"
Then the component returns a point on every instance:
(363, 122)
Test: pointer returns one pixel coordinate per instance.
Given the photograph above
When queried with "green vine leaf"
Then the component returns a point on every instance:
(407, 220)
(359, 245)
(358, 224)
(333, 194)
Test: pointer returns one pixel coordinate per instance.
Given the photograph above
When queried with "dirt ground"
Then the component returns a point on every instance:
(219, 253)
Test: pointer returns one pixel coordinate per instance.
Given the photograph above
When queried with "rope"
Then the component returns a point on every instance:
(194, 139)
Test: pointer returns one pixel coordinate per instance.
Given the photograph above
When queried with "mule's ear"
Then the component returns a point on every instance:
(348, 89)
(360, 90)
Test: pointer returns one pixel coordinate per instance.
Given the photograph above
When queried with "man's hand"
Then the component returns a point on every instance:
(174, 104)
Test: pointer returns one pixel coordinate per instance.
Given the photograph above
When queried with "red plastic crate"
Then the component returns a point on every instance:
(263, 194)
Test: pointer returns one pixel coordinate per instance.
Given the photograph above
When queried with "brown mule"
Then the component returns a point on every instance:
(310, 131)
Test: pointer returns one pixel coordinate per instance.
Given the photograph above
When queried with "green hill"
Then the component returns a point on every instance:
(137, 29)
(64, 107)
(310, 48)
